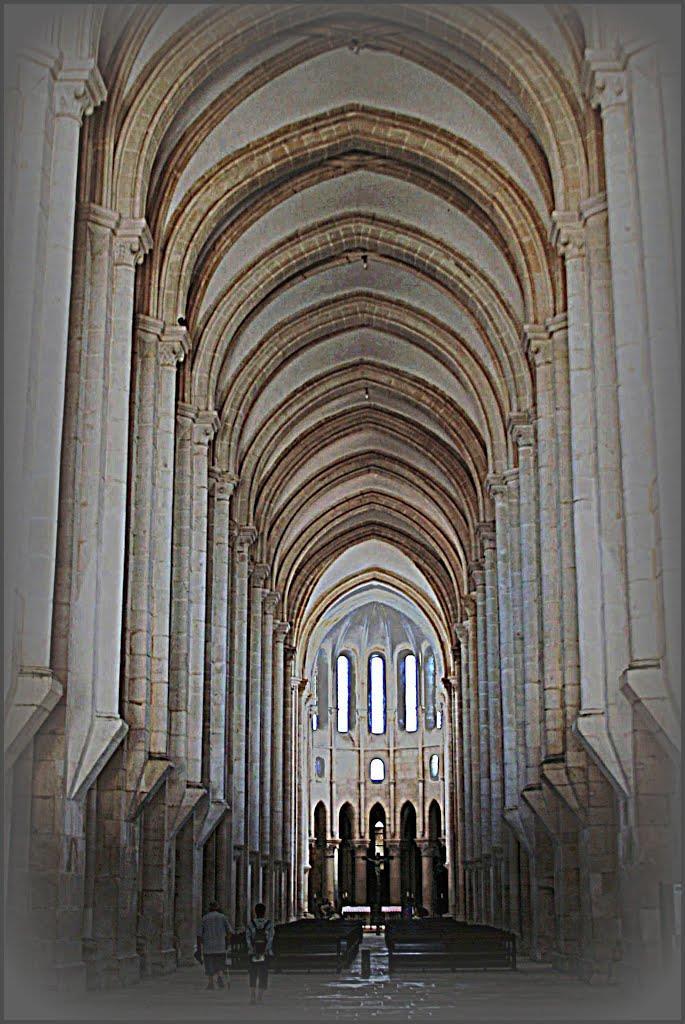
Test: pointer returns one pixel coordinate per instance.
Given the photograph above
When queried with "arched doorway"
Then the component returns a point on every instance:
(377, 877)
(439, 898)
(346, 881)
(317, 858)
(410, 857)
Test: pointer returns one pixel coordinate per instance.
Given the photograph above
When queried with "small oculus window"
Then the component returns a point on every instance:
(434, 766)
(377, 769)
(343, 692)
(319, 767)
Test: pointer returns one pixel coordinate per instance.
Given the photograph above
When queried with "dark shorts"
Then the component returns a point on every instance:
(214, 962)
(258, 972)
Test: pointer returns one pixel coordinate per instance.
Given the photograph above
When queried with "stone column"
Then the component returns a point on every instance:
(255, 710)
(204, 429)
(483, 714)
(523, 438)
(180, 631)
(289, 772)
(497, 486)
(174, 345)
(279, 759)
(270, 602)
(464, 752)
(540, 347)
(427, 880)
(454, 788)
(558, 328)
(394, 869)
(360, 854)
(474, 726)
(222, 486)
(488, 540)
(55, 93)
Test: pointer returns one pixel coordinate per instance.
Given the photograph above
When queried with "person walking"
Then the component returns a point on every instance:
(259, 936)
(213, 942)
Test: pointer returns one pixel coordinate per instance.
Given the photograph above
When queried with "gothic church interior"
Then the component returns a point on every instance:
(343, 517)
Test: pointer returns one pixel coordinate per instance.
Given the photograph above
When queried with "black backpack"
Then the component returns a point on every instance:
(260, 938)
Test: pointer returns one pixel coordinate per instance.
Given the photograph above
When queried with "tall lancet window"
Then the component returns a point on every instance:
(429, 689)
(411, 693)
(377, 694)
(342, 675)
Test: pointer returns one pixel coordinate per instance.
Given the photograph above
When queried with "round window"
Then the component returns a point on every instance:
(377, 769)
(319, 767)
(434, 765)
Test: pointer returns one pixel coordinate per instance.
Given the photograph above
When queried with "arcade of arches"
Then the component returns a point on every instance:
(343, 502)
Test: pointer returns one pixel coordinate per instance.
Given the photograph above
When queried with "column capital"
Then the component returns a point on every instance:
(186, 412)
(593, 206)
(206, 426)
(511, 477)
(222, 483)
(557, 324)
(496, 486)
(567, 234)
(461, 630)
(245, 536)
(149, 326)
(485, 532)
(260, 574)
(538, 343)
(270, 601)
(132, 242)
(523, 435)
(281, 630)
(93, 213)
(603, 78)
(174, 345)
(79, 89)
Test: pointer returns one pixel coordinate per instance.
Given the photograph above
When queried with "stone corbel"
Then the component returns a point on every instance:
(512, 817)
(155, 772)
(554, 773)
(192, 796)
(644, 685)
(259, 575)
(592, 730)
(36, 694)
(105, 734)
(535, 798)
(216, 812)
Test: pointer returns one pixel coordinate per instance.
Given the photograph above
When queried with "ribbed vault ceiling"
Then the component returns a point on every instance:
(350, 209)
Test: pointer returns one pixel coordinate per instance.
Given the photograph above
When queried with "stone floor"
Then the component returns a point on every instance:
(534, 992)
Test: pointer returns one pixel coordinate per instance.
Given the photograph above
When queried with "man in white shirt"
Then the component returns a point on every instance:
(213, 941)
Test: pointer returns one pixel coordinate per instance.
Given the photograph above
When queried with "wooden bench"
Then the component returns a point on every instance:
(307, 945)
(439, 943)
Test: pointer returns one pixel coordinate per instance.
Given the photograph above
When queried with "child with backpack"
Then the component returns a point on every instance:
(259, 936)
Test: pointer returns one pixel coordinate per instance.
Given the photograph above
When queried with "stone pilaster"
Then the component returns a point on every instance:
(55, 95)
(258, 578)
(174, 345)
(540, 347)
(244, 538)
(222, 485)
(279, 762)
(523, 438)
(204, 428)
